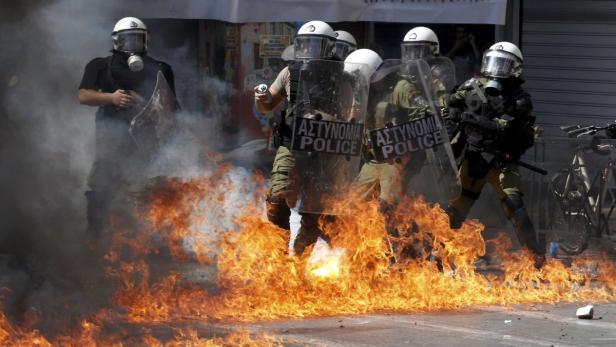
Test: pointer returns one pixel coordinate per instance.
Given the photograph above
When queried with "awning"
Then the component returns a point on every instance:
(242, 11)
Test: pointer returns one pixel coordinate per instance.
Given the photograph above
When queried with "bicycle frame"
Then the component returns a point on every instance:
(593, 204)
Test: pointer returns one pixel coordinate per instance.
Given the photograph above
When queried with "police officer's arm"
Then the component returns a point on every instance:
(452, 113)
(266, 102)
(276, 93)
(519, 121)
(519, 114)
(92, 97)
(89, 89)
(458, 99)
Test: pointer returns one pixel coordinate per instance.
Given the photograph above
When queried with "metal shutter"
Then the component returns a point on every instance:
(569, 49)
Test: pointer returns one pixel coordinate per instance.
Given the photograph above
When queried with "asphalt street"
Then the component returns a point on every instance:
(523, 325)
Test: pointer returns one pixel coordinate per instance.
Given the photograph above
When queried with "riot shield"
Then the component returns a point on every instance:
(328, 125)
(406, 130)
(443, 77)
(155, 122)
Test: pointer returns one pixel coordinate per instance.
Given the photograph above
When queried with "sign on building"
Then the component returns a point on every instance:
(273, 45)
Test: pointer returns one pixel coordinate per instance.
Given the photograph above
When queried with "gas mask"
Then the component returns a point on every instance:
(135, 63)
(133, 43)
(498, 66)
(494, 87)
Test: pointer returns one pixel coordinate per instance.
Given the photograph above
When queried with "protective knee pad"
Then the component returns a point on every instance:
(278, 212)
(514, 210)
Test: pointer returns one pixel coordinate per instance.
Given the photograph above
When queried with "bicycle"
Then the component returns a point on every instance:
(582, 207)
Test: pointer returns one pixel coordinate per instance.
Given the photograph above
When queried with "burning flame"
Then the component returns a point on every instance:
(218, 221)
(89, 335)
(324, 262)
(257, 279)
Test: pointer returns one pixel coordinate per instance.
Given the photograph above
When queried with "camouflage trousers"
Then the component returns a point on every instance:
(505, 180)
(385, 181)
(282, 195)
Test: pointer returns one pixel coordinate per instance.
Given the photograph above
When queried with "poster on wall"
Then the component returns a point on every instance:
(271, 46)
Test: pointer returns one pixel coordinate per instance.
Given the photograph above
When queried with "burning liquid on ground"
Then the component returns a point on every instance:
(219, 222)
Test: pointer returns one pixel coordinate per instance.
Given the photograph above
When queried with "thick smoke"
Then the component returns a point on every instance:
(47, 149)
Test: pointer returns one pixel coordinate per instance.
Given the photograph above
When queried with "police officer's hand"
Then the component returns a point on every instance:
(486, 124)
(121, 98)
(262, 97)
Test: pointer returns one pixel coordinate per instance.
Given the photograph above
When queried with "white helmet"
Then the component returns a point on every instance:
(502, 60)
(419, 43)
(130, 35)
(365, 61)
(315, 40)
(345, 44)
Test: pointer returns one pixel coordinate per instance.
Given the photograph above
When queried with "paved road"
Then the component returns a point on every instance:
(524, 325)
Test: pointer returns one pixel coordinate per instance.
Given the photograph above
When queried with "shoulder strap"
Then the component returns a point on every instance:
(294, 68)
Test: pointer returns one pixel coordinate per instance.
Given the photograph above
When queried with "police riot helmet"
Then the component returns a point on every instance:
(315, 40)
(345, 44)
(130, 35)
(363, 61)
(419, 43)
(502, 60)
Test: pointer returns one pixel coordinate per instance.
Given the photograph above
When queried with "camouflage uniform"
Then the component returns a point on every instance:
(283, 189)
(387, 181)
(510, 132)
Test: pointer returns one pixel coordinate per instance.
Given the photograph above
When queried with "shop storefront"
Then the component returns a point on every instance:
(238, 42)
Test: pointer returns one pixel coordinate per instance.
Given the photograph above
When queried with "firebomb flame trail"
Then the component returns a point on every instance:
(258, 280)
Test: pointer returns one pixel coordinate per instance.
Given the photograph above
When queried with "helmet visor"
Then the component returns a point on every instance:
(418, 50)
(499, 64)
(312, 47)
(343, 49)
(131, 41)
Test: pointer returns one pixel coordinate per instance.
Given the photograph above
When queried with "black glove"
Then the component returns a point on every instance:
(452, 118)
(452, 114)
(484, 124)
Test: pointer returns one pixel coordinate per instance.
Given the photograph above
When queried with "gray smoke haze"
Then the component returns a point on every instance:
(47, 148)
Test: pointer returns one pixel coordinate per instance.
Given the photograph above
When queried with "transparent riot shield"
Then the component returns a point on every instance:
(328, 125)
(443, 74)
(155, 122)
(406, 130)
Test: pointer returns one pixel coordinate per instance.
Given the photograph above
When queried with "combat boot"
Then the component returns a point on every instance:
(513, 207)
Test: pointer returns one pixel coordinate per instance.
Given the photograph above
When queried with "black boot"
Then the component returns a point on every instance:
(513, 207)
(278, 212)
(308, 233)
(455, 217)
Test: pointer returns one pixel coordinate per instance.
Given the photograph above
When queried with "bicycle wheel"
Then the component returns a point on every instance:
(568, 219)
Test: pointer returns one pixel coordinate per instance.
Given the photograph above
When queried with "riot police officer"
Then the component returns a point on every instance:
(491, 117)
(422, 43)
(398, 101)
(314, 40)
(117, 84)
(345, 44)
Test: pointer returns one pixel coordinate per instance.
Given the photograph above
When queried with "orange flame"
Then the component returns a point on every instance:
(89, 335)
(259, 280)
